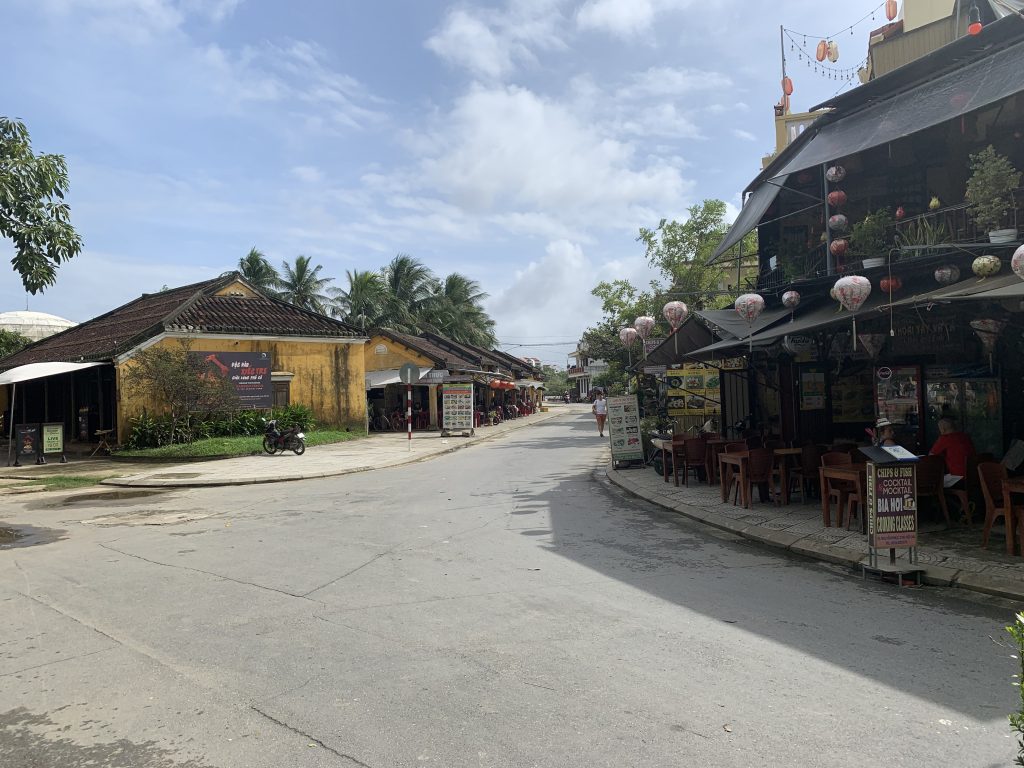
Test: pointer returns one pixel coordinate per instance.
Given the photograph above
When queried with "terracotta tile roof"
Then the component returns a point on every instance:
(470, 352)
(441, 357)
(188, 308)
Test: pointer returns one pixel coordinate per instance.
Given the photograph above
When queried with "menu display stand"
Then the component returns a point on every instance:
(891, 513)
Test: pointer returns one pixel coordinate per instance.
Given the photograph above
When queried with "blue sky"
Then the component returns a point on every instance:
(521, 142)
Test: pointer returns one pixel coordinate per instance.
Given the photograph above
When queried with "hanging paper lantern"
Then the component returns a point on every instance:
(900, 213)
(838, 247)
(838, 223)
(934, 204)
(947, 275)
(852, 291)
(837, 198)
(787, 86)
(832, 293)
(821, 51)
(986, 266)
(644, 325)
(749, 306)
(988, 331)
(872, 343)
(790, 299)
(890, 284)
(890, 9)
(628, 336)
(835, 174)
(833, 51)
(675, 312)
(1017, 262)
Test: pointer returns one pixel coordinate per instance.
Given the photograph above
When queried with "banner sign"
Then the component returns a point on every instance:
(27, 437)
(53, 438)
(624, 428)
(249, 372)
(457, 407)
(892, 505)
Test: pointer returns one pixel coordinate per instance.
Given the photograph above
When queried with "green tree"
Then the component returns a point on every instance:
(454, 309)
(364, 302)
(556, 380)
(410, 286)
(302, 285)
(33, 213)
(179, 382)
(11, 342)
(255, 268)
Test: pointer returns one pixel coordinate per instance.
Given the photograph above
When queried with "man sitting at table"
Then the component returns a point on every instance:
(954, 447)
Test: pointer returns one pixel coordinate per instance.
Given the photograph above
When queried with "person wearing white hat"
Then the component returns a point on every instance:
(885, 433)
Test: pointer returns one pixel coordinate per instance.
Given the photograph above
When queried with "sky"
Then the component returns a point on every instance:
(523, 143)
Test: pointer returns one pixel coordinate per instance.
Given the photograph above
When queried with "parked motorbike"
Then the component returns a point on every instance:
(277, 440)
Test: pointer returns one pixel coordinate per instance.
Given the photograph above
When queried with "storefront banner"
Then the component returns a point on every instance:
(457, 407)
(624, 428)
(892, 505)
(249, 372)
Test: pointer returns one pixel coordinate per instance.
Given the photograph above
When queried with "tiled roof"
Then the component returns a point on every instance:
(450, 359)
(191, 308)
(469, 351)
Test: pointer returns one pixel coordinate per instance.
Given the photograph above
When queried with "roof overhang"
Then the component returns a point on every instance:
(42, 370)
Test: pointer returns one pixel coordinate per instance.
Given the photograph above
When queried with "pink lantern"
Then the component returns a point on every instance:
(790, 299)
(675, 313)
(835, 174)
(900, 213)
(890, 284)
(749, 306)
(838, 247)
(628, 336)
(837, 198)
(644, 325)
(987, 331)
(947, 275)
(838, 223)
(852, 292)
(1017, 262)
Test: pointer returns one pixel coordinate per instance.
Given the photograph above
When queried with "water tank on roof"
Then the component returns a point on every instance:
(34, 325)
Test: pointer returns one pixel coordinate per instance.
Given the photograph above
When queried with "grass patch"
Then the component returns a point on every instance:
(233, 446)
(65, 482)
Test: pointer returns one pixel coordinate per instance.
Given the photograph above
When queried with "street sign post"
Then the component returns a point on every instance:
(408, 373)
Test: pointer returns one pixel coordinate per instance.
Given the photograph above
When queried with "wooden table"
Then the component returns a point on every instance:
(854, 473)
(734, 462)
(103, 435)
(1016, 485)
(782, 459)
(715, 446)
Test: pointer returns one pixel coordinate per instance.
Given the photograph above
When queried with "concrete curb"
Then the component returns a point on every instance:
(815, 549)
(216, 482)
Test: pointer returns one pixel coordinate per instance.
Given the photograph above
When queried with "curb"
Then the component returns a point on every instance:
(125, 482)
(806, 546)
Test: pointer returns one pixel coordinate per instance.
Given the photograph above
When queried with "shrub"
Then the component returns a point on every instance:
(295, 415)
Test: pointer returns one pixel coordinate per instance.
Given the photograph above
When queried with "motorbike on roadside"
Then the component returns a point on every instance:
(277, 440)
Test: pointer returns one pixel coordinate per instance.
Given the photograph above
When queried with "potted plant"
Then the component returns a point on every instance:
(870, 238)
(990, 193)
(492, 418)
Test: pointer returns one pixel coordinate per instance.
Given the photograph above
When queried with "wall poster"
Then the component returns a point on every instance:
(812, 389)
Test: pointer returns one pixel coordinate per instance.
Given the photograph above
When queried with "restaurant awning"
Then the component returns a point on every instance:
(41, 371)
(753, 209)
(730, 323)
(380, 379)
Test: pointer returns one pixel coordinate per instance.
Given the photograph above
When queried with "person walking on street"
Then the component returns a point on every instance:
(600, 410)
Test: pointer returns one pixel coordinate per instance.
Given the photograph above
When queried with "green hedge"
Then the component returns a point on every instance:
(155, 431)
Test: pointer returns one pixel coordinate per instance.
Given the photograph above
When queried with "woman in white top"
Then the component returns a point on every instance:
(600, 411)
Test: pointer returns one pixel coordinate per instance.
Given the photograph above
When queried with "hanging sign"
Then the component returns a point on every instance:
(624, 428)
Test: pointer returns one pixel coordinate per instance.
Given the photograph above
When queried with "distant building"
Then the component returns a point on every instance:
(34, 325)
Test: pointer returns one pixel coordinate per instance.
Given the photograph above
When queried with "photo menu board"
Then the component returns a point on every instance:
(624, 428)
(457, 407)
(693, 391)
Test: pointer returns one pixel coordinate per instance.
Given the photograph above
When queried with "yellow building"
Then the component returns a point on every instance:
(274, 353)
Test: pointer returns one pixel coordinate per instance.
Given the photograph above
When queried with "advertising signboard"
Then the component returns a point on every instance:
(27, 444)
(892, 505)
(693, 391)
(53, 438)
(457, 407)
(624, 428)
(249, 372)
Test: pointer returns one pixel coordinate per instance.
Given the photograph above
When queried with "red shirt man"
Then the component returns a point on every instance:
(955, 447)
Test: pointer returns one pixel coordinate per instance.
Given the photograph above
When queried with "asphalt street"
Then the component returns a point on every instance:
(498, 606)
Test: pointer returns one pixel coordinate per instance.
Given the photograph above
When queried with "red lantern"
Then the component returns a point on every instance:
(890, 9)
(890, 284)
(900, 213)
(974, 20)
(787, 86)
(838, 247)
(837, 198)
(822, 51)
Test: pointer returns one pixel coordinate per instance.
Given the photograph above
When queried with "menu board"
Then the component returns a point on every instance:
(693, 391)
(624, 428)
(892, 505)
(812, 389)
(457, 407)
(853, 399)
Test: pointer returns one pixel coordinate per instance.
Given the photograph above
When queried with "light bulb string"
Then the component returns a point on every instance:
(869, 15)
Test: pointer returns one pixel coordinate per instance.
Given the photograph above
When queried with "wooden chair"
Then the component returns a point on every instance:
(694, 457)
(760, 470)
(838, 489)
(991, 475)
(931, 470)
(806, 471)
(971, 489)
(736, 447)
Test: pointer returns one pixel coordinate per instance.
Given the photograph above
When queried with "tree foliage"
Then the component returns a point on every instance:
(257, 269)
(11, 342)
(302, 285)
(178, 382)
(33, 213)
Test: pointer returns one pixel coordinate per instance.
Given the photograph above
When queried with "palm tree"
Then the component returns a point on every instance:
(301, 285)
(364, 302)
(410, 285)
(455, 309)
(257, 270)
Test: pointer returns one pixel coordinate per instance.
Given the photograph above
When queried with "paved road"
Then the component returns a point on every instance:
(500, 606)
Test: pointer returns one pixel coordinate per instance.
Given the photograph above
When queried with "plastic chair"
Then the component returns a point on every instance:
(694, 455)
(931, 470)
(991, 475)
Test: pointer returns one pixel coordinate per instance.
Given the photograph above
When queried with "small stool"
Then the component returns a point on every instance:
(102, 434)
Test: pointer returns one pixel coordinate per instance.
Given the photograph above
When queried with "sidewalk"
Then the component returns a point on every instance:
(949, 557)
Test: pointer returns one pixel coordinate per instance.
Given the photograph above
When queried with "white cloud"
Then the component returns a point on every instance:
(675, 81)
(307, 174)
(625, 18)
(739, 133)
